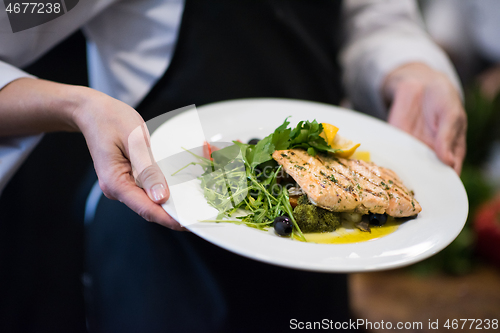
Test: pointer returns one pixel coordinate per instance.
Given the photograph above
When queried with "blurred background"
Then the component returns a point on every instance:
(41, 252)
(463, 280)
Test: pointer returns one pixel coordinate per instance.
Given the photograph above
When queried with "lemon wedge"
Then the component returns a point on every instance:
(362, 155)
(346, 147)
(329, 132)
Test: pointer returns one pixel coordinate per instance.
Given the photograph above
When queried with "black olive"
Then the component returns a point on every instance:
(283, 225)
(377, 219)
(253, 141)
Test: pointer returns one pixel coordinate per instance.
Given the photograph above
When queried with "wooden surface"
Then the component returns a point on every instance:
(398, 296)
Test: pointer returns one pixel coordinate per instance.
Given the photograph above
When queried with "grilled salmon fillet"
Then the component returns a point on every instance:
(345, 185)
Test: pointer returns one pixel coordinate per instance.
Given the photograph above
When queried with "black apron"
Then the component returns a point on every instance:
(226, 50)
(250, 48)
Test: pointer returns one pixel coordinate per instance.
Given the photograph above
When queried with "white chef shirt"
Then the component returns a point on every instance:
(467, 27)
(131, 43)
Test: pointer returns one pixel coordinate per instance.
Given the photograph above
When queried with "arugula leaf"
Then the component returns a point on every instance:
(230, 183)
(281, 138)
(222, 156)
(245, 149)
(263, 151)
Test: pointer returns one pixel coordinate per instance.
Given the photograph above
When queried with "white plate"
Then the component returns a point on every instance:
(437, 187)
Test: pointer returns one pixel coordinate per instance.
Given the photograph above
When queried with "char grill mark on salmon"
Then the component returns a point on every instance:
(401, 201)
(345, 185)
(312, 177)
(373, 197)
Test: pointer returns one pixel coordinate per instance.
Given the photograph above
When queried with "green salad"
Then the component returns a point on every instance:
(245, 184)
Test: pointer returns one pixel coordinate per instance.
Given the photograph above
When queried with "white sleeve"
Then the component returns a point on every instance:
(9, 73)
(13, 150)
(21, 49)
(130, 46)
(381, 36)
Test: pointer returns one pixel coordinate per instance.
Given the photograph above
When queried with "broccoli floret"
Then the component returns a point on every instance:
(330, 220)
(304, 200)
(311, 218)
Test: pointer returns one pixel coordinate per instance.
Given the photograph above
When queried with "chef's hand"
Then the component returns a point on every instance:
(116, 136)
(118, 141)
(424, 103)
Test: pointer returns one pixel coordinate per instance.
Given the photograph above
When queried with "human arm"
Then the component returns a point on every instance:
(30, 106)
(425, 104)
(389, 63)
(13, 150)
